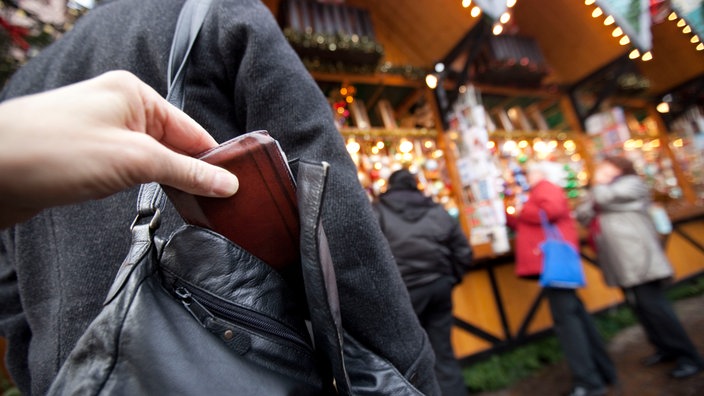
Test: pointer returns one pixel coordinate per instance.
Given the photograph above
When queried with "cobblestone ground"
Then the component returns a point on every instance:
(627, 348)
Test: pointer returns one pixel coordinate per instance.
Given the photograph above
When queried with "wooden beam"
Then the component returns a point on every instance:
(405, 106)
(393, 80)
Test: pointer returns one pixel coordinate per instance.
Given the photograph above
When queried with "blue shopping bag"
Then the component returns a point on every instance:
(562, 266)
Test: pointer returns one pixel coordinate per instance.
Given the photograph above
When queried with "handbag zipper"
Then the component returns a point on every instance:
(202, 305)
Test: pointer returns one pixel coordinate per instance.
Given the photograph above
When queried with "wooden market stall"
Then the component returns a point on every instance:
(371, 59)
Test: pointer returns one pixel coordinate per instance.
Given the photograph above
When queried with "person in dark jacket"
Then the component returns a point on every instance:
(592, 368)
(56, 268)
(432, 254)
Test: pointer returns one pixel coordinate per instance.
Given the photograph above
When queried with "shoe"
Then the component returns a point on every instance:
(656, 358)
(582, 391)
(685, 370)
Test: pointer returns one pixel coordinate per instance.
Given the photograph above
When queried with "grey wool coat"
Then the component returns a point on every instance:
(628, 246)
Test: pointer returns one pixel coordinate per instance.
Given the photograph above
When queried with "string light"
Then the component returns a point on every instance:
(589, 2)
(431, 80)
(498, 28)
(634, 54)
(618, 32)
(505, 17)
(475, 11)
(510, 3)
(609, 20)
(647, 56)
(686, 29)
(597, 12)
(466, 3)
(663, 107)
(624, 40)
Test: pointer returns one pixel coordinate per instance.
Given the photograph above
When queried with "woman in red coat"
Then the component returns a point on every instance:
(591, 366)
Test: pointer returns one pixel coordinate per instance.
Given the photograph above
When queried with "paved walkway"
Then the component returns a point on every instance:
(627, 348)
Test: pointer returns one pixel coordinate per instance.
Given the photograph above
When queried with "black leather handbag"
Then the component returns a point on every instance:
(197, 314)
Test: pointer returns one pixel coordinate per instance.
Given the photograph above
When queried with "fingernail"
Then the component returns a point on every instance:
(225, 184)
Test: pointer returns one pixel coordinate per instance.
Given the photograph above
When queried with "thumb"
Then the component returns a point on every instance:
(198, 177)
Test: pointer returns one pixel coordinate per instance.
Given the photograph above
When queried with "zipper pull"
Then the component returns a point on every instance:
(184, 295)
(196, 309)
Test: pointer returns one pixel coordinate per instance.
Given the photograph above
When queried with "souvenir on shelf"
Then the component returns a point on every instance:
(687, 145)
(617, 132)
(379, 151)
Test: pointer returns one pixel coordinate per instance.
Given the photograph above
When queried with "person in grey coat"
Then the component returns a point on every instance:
(631, 257)
(56, 268)
(432, 254)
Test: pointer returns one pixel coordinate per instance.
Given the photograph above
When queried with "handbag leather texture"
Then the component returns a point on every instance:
(147, 341)
(263, 213)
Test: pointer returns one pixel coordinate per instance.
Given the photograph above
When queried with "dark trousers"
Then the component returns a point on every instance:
(581, 343)
(662, 327)
(433, 305)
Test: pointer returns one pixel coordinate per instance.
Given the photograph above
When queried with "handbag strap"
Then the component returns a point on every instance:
(551, 230)
(151, 196)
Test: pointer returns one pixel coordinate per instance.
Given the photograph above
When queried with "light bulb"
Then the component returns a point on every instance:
(672, 16)
(694, 39)
(624, 40)
(634, 54)
(663, 107)
(617, 32)
(475, 11)
(647, 56)
(687, 30)
(466, 3)
(498, 28)
(510, 3)
(597, 12)
(609, 20)
(505, 17)
(431, 80)
(589, 2)
(681, 23)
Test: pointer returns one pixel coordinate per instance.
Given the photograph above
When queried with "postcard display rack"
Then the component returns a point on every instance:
(479, 173)
(492, 163)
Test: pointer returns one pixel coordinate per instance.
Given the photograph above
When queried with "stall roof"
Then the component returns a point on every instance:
(575, 45)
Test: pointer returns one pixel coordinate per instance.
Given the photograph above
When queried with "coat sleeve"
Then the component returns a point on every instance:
(585, 211)
(626, 193)
(461, 250)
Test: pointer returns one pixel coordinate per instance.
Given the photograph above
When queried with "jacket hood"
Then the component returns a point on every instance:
(411, 205)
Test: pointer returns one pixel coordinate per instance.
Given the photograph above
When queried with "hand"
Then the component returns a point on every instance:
(95, 138)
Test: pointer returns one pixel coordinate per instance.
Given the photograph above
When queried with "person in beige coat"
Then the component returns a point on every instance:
(631, 257)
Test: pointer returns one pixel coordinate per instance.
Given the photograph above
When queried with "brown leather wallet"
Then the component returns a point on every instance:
(262, 217)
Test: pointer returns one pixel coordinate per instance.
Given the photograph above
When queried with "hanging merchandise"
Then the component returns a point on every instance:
(480, 176)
